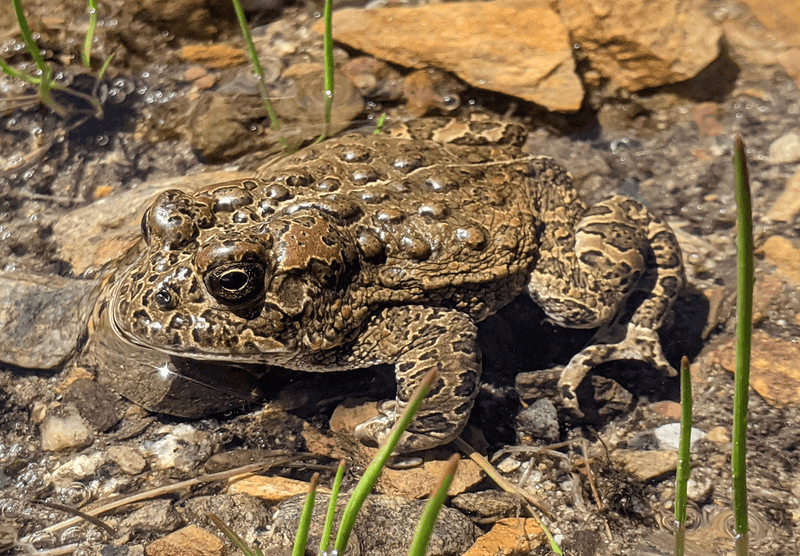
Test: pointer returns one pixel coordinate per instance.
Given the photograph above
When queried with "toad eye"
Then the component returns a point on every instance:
(145, 227)
(236, 283)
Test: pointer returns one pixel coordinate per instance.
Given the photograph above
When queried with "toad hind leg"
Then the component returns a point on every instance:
(417, 339)
(619, 252)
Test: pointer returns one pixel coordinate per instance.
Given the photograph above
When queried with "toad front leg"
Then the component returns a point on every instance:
(417, 339)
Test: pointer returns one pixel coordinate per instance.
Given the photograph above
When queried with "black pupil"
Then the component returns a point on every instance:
(233, 280)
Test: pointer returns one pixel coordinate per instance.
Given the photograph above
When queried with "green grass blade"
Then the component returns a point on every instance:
(682, 475)
(379, 125)
(8, 70)
(744, 319)
(328, 54)
(372, 472)
(326, 531)
(256, 63)
(86, 51)
(431, 513)
(299, 548)
(27, 36)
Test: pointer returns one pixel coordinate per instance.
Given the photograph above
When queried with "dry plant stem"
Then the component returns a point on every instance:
(501, 481)
(487, 467)
(235, 539)
(153, 493)
(590, 475)
(744, 320)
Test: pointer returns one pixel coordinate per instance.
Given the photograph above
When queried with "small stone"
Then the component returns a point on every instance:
(128, 459)
(213, 56)
(271, 489)
(195, 72)
(64, 428)
(705, 117)
(785, 149)
(180, 447)
(785, 255)
(698, 488)
(509, 464)
(78, 468)
(669, 434)
(719, 435)
(241, 512)
(670, 410)
(103, 191)
(157, 516)
(538, 421)
(787, 204)
(487, 503)
(646, 464)
(206, 82)
(42, 318)
(510, 537)
(189, 541)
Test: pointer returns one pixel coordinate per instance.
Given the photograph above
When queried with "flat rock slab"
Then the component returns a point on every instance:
(93, 236)
(510, 46)
(42, 318)
(638, 45)
(385, 526)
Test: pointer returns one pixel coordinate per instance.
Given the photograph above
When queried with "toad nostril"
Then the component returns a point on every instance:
(165, 299)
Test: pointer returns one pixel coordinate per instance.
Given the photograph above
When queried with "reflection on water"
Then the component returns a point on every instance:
(709, 531)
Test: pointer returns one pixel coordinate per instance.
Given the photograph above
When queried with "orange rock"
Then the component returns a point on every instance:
(780, 16)
(785, 255)
(773, 367)
(788, 204)
(271, 489)
(189, 541)
(509, 537)
(510, 46)
(214, 56)
(705, 117)
(636, 46)
(670, 410)
(790, 60)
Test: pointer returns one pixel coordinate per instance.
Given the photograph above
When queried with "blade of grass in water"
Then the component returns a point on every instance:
(372, 472)
(682, 476)
(259, 71)
(326, 531)
(328, 56)
(744, 318)
(86, 51)
(299, 548)
(431, 513)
